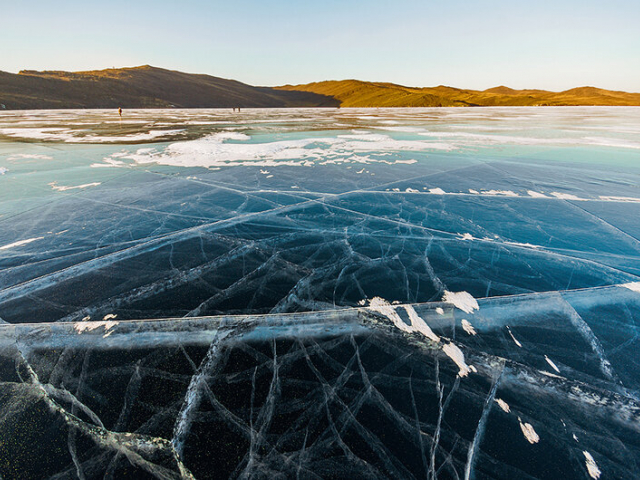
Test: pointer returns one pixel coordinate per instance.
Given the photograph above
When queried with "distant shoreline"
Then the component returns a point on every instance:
(481, 107)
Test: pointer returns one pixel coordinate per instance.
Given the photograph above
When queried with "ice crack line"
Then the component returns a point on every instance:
(477, 438)
(193, 397)
(132, 445)
(585, 331)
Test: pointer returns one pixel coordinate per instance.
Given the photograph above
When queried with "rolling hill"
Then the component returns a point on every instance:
(355, 93)
(152, 87)
(142, 87)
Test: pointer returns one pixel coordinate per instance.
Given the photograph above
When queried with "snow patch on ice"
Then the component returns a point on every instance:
(76, 136)
(529, 432)
(382, 306)
(215, 151)
(536, 194)
(503, 405)
(90, 326)
(633, 286)
(462, 300)
(467, 327)
(567, 196)
(35, 156)
(419, 325)
(514, 338)
(619, 199)
(500, 193)
(553, 365)
(20, 242)
(401, 129)
(63, 188)
(592, 467)
(109, 163)
(455, 354)
(526, 245)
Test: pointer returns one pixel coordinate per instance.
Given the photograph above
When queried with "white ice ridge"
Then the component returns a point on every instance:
(530, 194)
(533, 194)
(503, 405)
(380, 305)
(462, 300)
(63, 188)
(20, 242)
(592, 467)
(215, 151)
(528, 431)
(467, 327)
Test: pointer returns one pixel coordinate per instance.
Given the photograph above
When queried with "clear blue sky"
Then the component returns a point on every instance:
(479, 44)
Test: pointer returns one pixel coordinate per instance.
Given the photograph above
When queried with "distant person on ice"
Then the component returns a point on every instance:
(120, 112)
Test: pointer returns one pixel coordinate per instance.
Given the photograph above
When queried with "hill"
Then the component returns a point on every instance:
(355, 93)
(152, 87)
(142, 87)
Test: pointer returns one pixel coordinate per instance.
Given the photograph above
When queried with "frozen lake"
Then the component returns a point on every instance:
(320, 293)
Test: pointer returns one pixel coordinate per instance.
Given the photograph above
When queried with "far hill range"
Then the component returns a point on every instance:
(152, 87)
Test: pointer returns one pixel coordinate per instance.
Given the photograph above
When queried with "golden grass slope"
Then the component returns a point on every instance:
(356, 93)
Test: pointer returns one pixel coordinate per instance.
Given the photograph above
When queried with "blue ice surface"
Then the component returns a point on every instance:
(196, 245)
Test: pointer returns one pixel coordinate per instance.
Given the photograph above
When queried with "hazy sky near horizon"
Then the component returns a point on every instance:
(479, 44)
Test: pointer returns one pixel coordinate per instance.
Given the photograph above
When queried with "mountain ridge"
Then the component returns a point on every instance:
(146, 86)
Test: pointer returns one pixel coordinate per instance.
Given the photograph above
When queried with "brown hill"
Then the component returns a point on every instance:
(355, 93)
(142, 87)
(151, 87)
